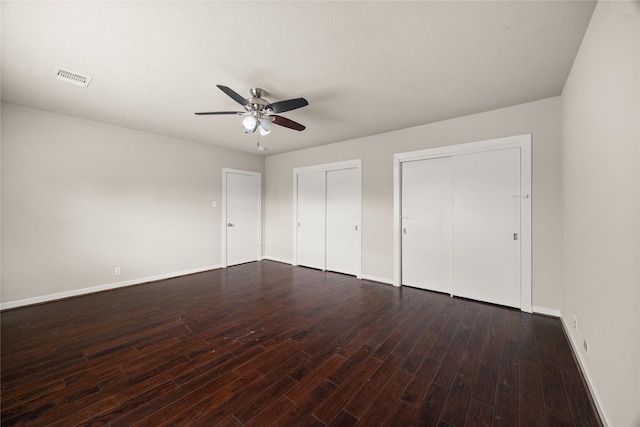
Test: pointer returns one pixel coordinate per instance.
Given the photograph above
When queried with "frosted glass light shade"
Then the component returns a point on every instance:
(249, 124)
(265, 126)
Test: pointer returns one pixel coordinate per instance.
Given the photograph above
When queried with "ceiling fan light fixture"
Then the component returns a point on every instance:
(249, 124)
(265, 126)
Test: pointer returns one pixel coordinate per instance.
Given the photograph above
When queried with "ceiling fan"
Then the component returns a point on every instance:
(260, 113)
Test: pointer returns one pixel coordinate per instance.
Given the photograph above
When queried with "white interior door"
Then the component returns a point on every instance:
(486, 226)
(311, 211)
(242, 207)
(343, 216)
(426, 224)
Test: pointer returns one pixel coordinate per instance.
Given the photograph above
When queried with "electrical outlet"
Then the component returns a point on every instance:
(214, 204)
(116, 271)
(586, 346)
(575, 322)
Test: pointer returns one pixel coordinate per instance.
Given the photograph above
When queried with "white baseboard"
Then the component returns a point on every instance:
(108, 286)
(583, 367)
(547, 311)
(284, 261)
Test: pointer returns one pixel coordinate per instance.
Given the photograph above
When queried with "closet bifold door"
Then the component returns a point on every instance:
(311, 219)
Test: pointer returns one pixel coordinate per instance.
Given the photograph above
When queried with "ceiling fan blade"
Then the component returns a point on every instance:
(283, 121)
(287, 105)
(218, 112)
(233, 94)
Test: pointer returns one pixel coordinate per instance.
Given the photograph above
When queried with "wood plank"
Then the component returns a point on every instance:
(479, 415)
(508, 365)
(457, 405)
(485, 386)
(533, 413)
(317, 377)
(251, 408)
(450, 361)
(582, 406)
(346, 369)
(271, 412)
(190, 405)
(381, 406)
(420, 382)
(555, 398)
(374, 386)
(506, 411)
(305, 405)
(343, 419)
(400, 414)
(428, 414)
(343, 393)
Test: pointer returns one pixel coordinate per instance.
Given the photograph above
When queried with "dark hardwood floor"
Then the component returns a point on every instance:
(270, 344)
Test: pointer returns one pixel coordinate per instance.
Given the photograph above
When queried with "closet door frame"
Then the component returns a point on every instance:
(523, 142)
(327, 167)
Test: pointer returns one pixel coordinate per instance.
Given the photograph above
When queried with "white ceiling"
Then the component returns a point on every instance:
(364, 67)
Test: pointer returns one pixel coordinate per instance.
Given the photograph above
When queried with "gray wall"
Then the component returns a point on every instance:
(601, 207)
(80, 198)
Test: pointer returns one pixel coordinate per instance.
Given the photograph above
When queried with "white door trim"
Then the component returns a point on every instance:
(347, 164)
(225, 171)
(520, 141)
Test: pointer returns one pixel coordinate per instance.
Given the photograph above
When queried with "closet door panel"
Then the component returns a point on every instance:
(311, 211)
(426, 224)
(343, 199)
(486, 226)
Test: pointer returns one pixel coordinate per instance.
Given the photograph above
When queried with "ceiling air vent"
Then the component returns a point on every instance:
(69, 77)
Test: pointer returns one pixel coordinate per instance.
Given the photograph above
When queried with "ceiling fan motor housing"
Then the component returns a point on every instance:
(257, 102)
